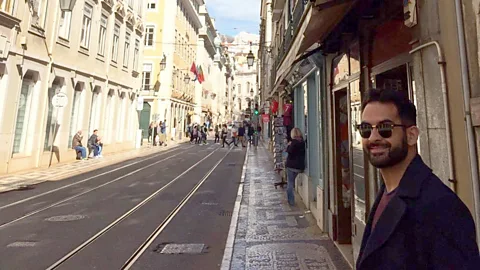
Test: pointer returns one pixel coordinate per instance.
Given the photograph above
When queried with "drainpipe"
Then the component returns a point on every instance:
(448, 131)
(468, 117)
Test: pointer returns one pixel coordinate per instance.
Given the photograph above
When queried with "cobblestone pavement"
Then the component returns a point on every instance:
(63, 170)
(271, 234)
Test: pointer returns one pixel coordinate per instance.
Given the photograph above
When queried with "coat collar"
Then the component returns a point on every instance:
(409, 187)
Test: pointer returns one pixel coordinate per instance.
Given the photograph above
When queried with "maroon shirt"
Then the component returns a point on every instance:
(386, 197)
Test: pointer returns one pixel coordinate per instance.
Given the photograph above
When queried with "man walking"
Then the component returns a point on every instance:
(416, 222)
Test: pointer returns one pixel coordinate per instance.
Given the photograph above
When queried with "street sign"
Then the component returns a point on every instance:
(139, 103)
(60, 100)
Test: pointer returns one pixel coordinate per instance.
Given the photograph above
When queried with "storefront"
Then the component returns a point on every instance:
(354, 183)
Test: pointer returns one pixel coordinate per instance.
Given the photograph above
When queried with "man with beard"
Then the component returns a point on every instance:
(416, 222)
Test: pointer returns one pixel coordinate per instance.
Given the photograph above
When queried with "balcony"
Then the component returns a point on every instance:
(290, 32)
(278, 6)
(209, 36)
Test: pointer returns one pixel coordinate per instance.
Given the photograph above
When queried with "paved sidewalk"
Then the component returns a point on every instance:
(272, 235)
(63, 170)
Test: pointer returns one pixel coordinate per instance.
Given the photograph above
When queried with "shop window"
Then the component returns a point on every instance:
(94, 110)
(23, 115)
(52, 114)
(75, 114)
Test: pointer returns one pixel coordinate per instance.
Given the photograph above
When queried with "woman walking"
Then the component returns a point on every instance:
(295, 162)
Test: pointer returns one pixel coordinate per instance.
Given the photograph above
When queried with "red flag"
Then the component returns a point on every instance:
(193, 69)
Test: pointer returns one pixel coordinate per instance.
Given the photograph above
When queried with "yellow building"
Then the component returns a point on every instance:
(169, 93)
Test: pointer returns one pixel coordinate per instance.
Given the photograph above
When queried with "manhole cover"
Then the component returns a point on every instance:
(22, 244)
(183, 249)
(225, 213)
(65, 218)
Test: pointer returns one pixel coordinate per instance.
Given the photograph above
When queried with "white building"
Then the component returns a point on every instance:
(245, 88)
(90, 53)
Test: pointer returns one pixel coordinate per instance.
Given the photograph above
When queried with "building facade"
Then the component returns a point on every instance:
(245, 88)
(327, 54)
(95, 63)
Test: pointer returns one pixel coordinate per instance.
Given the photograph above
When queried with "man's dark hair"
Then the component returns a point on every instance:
(95, 130)
(406, 109)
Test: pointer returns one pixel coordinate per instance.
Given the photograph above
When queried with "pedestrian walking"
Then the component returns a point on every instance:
(217, 134)
(241, 135)
(224, 135)
(295, 163)
(416, 222)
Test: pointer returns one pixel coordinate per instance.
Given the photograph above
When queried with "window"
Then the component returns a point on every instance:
(6, 5)
(152, 5)
(140, 6)
(126, 50)
(86, 25)
(116, 37)
(102, 35)
(135, 54)
(65, 23)
(149, 35)
(147, 76)
(38, 11)
(23, 113)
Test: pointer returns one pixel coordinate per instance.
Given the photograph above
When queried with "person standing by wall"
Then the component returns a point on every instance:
(295, 163)
(416, 222)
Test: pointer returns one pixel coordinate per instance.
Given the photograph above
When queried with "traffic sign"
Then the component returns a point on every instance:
(60, 100)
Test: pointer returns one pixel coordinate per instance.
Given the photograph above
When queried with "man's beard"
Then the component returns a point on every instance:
(392, 157)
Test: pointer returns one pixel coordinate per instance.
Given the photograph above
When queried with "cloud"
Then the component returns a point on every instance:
(244, 15)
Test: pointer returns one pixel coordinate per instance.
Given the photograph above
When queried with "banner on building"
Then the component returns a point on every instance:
(279, 143)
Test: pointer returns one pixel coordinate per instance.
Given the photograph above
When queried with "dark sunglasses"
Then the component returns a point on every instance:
(384, 129)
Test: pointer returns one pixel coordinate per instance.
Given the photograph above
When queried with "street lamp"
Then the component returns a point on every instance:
(186, 79)
(163, 63)
(67, 5)
(250, 59)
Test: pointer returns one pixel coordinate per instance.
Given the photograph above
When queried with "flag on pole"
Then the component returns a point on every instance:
(193, 69)
(201, 77)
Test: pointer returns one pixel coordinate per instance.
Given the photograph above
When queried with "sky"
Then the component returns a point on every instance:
(235, 16)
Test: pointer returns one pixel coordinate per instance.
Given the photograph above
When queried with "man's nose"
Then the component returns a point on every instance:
(374, 135)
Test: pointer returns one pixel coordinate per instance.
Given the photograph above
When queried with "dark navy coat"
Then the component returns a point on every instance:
(424, 226)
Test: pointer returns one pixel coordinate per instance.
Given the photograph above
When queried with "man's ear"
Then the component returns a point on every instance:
(412, 135)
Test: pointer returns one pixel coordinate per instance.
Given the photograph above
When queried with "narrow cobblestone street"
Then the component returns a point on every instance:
(273, 235)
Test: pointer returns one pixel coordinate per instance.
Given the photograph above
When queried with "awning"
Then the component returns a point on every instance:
(317, 24)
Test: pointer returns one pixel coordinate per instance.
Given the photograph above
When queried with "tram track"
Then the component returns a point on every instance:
(60, 264)
(42, 209)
